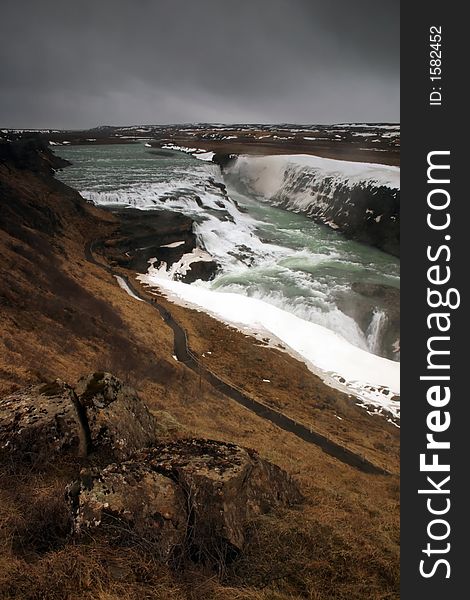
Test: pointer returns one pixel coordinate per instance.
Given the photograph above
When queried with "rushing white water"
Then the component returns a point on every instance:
(268, 257)
(374, 330)
(267, 174)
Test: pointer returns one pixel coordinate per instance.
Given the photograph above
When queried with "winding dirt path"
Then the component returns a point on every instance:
(187, 357)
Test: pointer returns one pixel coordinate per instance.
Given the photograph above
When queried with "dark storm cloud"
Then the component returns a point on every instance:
(80, 64)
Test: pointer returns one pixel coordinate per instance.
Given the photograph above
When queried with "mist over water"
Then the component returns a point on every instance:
(265, 252)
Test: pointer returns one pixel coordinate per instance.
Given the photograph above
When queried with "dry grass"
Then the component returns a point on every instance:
(330, 549)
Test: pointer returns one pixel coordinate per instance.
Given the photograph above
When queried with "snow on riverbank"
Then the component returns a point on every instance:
(375, 381)
(195, 152)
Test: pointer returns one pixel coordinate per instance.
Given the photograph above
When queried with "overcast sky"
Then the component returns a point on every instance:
(78, 64)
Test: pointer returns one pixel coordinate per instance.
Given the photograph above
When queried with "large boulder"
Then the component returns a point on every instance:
(135, 499)
(226, 487)
(40, 421)
(118, 420)
(101, 416)
(202, 491)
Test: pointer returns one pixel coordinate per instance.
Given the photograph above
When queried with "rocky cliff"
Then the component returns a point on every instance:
(361, 201)
(30, 154)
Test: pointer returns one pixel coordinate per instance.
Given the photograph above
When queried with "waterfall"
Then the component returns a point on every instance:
(374, 331)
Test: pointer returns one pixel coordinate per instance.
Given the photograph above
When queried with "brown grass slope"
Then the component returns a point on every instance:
(63, 317)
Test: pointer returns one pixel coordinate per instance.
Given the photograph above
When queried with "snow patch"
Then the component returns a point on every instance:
(179, 148)
(123, 285)
(173, 244)
(207, 156)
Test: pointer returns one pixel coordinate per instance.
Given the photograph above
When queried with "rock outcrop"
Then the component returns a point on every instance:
(40, 422)
(32, 154)
(200, 269)
(226, 486)
(190, 498)
(157, 236)
(118, 421)
(200, 492)
(101, 416)
(132, 496)
(146, 234)
(223, 160)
